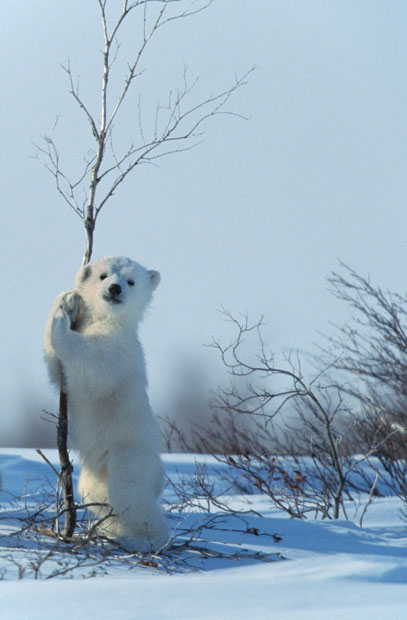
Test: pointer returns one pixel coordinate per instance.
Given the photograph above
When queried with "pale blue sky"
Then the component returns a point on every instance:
(253, 219)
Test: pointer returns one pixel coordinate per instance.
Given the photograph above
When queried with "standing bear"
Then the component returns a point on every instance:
(91, 340)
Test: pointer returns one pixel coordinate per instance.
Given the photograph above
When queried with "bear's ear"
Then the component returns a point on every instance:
(154, 278)
(84, 273)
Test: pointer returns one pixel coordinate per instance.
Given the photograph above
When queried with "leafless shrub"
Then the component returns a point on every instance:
(371, 352)
(307, 421)
(354, 409)
(200, 507)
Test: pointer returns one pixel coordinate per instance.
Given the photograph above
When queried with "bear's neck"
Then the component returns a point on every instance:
(111, 322)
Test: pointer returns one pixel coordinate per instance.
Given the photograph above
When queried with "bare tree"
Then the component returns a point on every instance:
(354, 409)
(317, 433)
(371, 351)
(175, 128)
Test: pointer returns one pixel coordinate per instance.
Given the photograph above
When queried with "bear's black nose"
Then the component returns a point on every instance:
(115, 289)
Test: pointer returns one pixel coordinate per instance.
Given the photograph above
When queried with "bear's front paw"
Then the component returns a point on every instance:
(67, 308)
(69, 305)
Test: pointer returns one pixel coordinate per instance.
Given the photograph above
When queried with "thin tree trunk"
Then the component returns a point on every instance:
(180, 126)
(65, 476)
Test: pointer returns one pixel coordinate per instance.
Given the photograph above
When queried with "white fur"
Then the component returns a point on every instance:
(111, 423)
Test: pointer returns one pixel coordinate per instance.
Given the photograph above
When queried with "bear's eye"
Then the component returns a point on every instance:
(130, 282)
(103, 276)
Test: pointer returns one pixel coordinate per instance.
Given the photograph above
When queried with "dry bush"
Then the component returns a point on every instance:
(371, 352)
(280, 434)
(312, 444)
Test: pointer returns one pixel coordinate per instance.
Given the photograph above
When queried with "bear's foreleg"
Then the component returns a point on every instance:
(66, 307)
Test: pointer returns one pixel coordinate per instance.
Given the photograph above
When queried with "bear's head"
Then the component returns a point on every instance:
(115, 288)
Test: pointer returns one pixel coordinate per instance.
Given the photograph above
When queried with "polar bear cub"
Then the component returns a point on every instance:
(91, 338)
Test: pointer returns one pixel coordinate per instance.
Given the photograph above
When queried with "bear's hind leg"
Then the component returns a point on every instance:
(93, 490)
(130, 476)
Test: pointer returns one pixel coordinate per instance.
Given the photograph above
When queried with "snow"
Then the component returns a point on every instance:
(303, 570)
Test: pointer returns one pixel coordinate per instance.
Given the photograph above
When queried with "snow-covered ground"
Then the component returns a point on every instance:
(256, 563)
